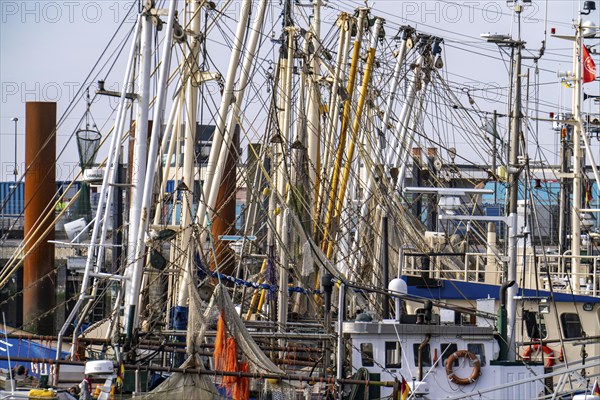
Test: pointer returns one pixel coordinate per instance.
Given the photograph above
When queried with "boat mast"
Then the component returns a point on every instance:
(191, 110)
(344, 22)
(138, 173)
(136, 269)
(314, 103)
(513, 183)
(104, 199)
(223, 137)
(576, 270)
(406, 33)
(339, 156)
(284, 129)
(399, 158)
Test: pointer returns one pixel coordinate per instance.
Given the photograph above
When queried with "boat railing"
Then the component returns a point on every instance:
(536, 271)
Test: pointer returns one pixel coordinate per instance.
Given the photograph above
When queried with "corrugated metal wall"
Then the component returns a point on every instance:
(12, 199)
(13, 202)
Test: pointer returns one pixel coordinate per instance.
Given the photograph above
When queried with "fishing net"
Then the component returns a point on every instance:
(221, 303)
(277, 390)
(185, 386)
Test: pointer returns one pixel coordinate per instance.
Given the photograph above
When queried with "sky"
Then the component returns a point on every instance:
(48, 48)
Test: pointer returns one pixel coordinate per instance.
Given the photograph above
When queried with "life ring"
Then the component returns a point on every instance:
(476, 367)
(550, 359)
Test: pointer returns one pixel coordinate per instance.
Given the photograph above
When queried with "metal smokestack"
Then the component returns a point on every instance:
(40, 188)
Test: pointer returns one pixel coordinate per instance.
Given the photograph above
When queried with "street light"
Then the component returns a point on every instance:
(15, 172)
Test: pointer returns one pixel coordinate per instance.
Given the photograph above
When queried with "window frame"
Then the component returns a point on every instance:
(389, 351)
(367, 355)
(567, 326)
(535, 323)
(480, 354)
(445, 353)
(426, 354)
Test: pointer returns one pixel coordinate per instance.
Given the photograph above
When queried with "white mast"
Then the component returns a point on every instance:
(191, 110)
(332, 121)
(313, 126)
(133, 285)
(109, 178)
(282, 226)
(400, 58)
(398, 155)
(576, 270)
(138, 173)
(222, 138)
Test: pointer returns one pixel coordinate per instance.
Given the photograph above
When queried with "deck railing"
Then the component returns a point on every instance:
(535, 271)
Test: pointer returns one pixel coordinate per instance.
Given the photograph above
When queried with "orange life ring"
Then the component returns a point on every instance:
(476, 367)
(535, 349)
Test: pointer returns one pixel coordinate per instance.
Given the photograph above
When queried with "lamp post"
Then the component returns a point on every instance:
(16, 171)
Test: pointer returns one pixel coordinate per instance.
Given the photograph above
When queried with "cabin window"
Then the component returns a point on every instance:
(447, 350)
(426, 355)
(478, 350)
(366, 354)
(393, 355)
(571, 325)
(535, 325)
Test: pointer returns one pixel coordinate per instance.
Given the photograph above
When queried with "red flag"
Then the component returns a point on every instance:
(404, 389)
(596, 389)
(589, 67)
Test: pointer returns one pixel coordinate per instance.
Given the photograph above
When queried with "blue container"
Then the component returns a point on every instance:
(12, 198)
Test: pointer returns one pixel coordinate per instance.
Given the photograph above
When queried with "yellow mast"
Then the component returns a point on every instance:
(346, 116)
(344, 22)
(356, 126)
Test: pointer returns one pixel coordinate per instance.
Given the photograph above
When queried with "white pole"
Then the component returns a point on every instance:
(313, 125)
(395, 154)
(109, 176)
(394, 87)
(577, 271)
(222, 138)
(408, 140)
(138, 167)
(334, 110)
(191, 107)
(170, 137)
(133, 286)
(282, 225)
(245, 74)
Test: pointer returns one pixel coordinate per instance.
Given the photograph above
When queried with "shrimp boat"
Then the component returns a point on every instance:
(357, 268)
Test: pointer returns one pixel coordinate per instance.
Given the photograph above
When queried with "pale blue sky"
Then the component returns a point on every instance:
(48, 48)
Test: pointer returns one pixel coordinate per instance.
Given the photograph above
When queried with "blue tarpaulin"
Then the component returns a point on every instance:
(26, 348)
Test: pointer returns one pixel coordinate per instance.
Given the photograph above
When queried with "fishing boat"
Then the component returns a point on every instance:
(358, 268)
